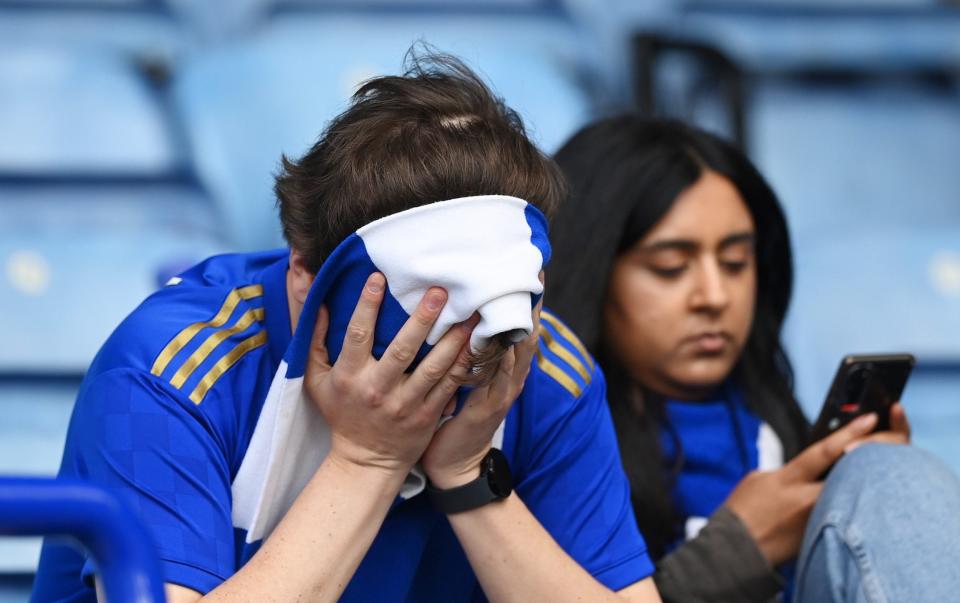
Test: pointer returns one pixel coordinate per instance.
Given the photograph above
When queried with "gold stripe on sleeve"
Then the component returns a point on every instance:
(205, 349)
(564, 354)
(558, 375)
(184, 336)
(223, 365)
(568, 335)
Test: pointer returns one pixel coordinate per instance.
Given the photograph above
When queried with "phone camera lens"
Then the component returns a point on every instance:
(857, 383)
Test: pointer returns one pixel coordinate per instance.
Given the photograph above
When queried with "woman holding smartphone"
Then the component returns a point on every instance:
(672, 262)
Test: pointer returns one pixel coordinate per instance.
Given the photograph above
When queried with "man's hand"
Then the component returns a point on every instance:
(775, 505)
(453, 457)
(380, 416)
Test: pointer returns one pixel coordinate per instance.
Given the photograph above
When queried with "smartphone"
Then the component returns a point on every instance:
(864, 383)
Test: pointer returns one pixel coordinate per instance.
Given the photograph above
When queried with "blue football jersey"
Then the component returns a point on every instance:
(166, 412)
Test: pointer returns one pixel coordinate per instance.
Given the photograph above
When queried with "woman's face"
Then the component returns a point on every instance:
(680, 302)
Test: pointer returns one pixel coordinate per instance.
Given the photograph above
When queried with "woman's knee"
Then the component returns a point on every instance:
(898, 465)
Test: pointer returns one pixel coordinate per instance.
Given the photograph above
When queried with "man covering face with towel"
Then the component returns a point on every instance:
(381, 412)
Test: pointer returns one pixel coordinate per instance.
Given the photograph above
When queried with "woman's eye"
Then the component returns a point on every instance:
(734, 267)
(668, 272)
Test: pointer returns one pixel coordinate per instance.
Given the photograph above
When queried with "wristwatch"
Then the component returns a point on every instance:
(495, 483)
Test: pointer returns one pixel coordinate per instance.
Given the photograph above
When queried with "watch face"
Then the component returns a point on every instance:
(497, 471)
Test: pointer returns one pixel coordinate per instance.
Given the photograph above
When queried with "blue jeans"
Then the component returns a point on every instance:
(885, 529)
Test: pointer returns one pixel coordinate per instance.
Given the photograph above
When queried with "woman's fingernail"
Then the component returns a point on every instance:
(865, 422)
(375, 284)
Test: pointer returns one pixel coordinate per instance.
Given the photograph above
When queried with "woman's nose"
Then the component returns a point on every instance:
(711, 288)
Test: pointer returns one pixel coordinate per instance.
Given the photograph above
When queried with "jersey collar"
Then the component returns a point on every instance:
(276, 306)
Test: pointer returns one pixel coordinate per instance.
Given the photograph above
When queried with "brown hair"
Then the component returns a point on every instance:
(436, 132)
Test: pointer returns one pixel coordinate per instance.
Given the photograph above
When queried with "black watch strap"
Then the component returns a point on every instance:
(495, 483)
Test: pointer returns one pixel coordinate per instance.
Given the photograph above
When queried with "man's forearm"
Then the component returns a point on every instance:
(317, 547)
(516, 559)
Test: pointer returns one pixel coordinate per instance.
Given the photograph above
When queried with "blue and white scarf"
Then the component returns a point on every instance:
(485, 251)
(719, 442)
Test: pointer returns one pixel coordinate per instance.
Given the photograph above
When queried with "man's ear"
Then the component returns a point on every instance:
(299, 278)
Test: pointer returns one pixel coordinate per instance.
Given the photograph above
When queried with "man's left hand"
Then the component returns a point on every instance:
(453, 456)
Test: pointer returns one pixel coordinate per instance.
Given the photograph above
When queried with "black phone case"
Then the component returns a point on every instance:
(863, 383)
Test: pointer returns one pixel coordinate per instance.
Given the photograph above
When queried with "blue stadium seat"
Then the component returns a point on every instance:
(144, 28)
(781, 44)
(78, 258)
(858, 155)
(209, 21)
(69, 112)
(95, 198)
(36, 414)
(932, 400)
(839, 35)
(247, 103)
(434, 5)
(883, 290)
(878, 289)
(822, 7)
(15, 588)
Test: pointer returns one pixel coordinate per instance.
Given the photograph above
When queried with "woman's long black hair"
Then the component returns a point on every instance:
(625, 173)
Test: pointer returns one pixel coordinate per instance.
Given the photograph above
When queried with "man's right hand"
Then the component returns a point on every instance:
(775, 505)
(380, 416)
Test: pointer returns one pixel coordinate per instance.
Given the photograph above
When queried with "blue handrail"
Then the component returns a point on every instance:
(126, 561)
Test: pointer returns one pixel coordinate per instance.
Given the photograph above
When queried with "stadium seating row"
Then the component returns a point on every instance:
(141, 135)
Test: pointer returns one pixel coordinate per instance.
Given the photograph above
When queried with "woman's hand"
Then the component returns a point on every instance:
(380, 416)
(899, 430)
(453, 457)
(775, 505)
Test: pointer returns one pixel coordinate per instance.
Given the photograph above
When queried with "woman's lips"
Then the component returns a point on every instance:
(709, 343)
